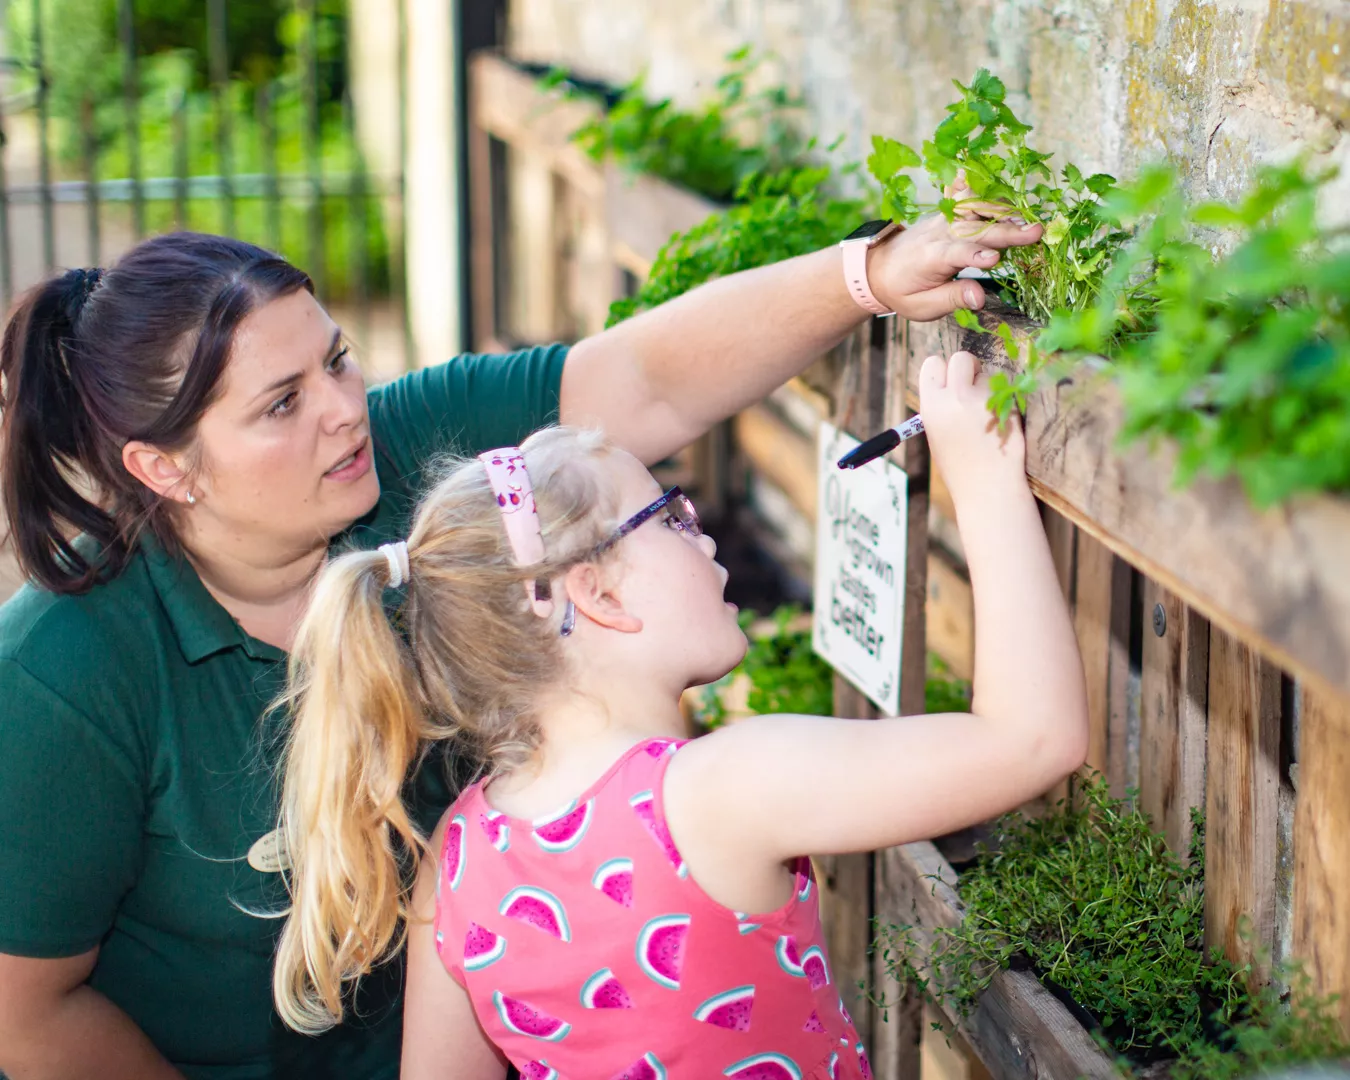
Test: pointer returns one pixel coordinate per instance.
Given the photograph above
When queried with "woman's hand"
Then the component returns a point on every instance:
(913, 274)
(973, 455)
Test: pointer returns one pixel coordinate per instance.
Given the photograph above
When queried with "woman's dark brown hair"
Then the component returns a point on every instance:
(93, 359)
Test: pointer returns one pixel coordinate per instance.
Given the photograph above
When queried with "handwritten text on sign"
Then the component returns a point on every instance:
(861, 516)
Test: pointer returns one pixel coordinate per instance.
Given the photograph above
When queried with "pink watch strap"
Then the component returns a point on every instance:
(855, 276)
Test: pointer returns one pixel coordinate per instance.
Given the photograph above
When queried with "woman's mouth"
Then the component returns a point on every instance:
(354, 466)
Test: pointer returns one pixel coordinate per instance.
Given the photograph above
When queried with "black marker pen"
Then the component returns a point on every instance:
(884, 443)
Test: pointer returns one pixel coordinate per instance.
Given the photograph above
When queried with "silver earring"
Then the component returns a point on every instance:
(191, 499)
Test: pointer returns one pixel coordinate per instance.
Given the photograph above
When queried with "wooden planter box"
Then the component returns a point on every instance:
(1019, 1028)
(1277, 580)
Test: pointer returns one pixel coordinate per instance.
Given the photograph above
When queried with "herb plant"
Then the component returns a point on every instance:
(776, 216)
(704, 150)
(982, 139)
(1090, 897)
(1242, 360)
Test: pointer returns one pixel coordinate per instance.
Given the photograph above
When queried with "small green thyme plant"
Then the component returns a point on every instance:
(983, 139)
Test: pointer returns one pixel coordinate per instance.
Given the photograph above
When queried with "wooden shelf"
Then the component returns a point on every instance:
(1278, 580)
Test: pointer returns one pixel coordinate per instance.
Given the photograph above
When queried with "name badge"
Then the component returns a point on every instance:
(268, 854)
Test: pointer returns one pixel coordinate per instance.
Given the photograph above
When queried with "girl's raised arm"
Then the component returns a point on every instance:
(774, 787)
(442, 1039)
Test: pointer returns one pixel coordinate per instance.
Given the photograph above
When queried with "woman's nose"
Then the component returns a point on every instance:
(345, 404)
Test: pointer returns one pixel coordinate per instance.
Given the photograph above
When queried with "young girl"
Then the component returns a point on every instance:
(611, 901)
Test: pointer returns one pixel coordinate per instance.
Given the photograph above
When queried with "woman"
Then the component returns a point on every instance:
(192, 418)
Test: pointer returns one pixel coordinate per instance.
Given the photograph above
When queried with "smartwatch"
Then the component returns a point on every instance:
(856, 245)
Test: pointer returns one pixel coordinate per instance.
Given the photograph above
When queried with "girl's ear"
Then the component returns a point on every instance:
(588, 589)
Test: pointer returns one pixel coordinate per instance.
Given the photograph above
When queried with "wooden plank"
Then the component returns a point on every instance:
(481, 222)
(945, 1055)
(1174, 695)
(642, 212)
(1063, 539)
(846, 897)
(1322, 847)
(1122, 686)
(511, 105)
(897, 1032)
(1241, 803)
(1276, 580)
(775, 449)
(1019, 1029)
(951, 616)
(1093, 596)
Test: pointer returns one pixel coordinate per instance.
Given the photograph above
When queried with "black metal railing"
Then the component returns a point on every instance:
(275, 159)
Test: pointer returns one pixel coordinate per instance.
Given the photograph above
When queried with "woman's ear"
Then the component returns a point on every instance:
(156, 470)
(589, 590)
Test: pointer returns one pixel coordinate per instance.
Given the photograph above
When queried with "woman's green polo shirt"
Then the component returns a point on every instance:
(135, 771)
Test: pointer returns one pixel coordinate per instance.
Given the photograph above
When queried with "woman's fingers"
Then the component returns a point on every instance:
(932, 376)
(943, 300)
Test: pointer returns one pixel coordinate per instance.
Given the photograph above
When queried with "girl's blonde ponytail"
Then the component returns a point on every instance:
(357, 728)
(364, 704)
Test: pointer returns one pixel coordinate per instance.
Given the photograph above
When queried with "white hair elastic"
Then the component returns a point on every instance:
(396, 554)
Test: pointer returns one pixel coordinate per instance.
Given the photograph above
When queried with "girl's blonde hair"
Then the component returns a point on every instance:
(366, 702)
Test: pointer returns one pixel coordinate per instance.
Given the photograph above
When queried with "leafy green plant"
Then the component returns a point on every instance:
(704, 150)
(1091, 898)
(1243, 360)
(943, 691)
(776, 216)
(784, 673)
(983, 139)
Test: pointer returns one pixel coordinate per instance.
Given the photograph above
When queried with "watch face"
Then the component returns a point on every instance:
(868, 229)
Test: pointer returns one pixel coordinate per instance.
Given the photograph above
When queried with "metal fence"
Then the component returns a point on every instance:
(280, 160)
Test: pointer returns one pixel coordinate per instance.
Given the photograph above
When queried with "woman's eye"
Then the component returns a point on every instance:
(283, 406)
(340, 359)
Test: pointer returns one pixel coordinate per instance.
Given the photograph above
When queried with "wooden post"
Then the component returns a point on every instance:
(1241, 803)
(1322, 847)
(1094, 595)
(1063, 538)
(1174, 693)
(897, 1030)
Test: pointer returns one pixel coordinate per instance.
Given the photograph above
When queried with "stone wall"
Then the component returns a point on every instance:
(1108, 84)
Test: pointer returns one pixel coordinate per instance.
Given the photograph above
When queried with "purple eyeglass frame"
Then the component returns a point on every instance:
(688, 522)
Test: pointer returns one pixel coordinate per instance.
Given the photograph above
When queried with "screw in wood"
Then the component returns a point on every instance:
(1159, 620)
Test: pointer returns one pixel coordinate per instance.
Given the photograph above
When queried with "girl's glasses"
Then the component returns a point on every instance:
(680, 516)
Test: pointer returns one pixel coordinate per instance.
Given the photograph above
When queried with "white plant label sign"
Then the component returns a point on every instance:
(859, 589)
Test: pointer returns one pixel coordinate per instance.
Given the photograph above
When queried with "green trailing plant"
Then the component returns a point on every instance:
(1242, 360)
(943, 691)
(1092, 900)
(704, 150)
(982, 138)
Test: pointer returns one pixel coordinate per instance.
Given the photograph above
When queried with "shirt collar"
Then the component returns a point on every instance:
(202, 626)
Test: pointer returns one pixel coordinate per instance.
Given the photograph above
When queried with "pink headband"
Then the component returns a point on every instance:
(515, 498)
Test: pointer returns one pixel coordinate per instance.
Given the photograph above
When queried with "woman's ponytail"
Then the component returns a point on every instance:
(358, 728)
(46, 435)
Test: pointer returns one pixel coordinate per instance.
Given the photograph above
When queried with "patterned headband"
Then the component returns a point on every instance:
(515, 498)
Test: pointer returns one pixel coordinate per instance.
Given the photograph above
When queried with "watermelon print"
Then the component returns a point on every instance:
(804, 893)
(455, 851)
(863, 1063)
(645, 1068)
(538, 908)
(786, 951)
(496, 829)
(644, 805)
(522, 1019)
(660, 949)
(764, 1067)
(482, 948)
(844, 1012)
(615, 880)
(834, 1067)
(813, 1023)
(743, 926)
(657, 747)
(603, 991)
(814, 967)
(564, 831)
(730, 1010)
(538, 1070)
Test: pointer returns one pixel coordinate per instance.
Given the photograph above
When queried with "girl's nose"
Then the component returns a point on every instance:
(708, 544)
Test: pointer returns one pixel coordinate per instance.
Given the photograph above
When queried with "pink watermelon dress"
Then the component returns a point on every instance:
(589, 953)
